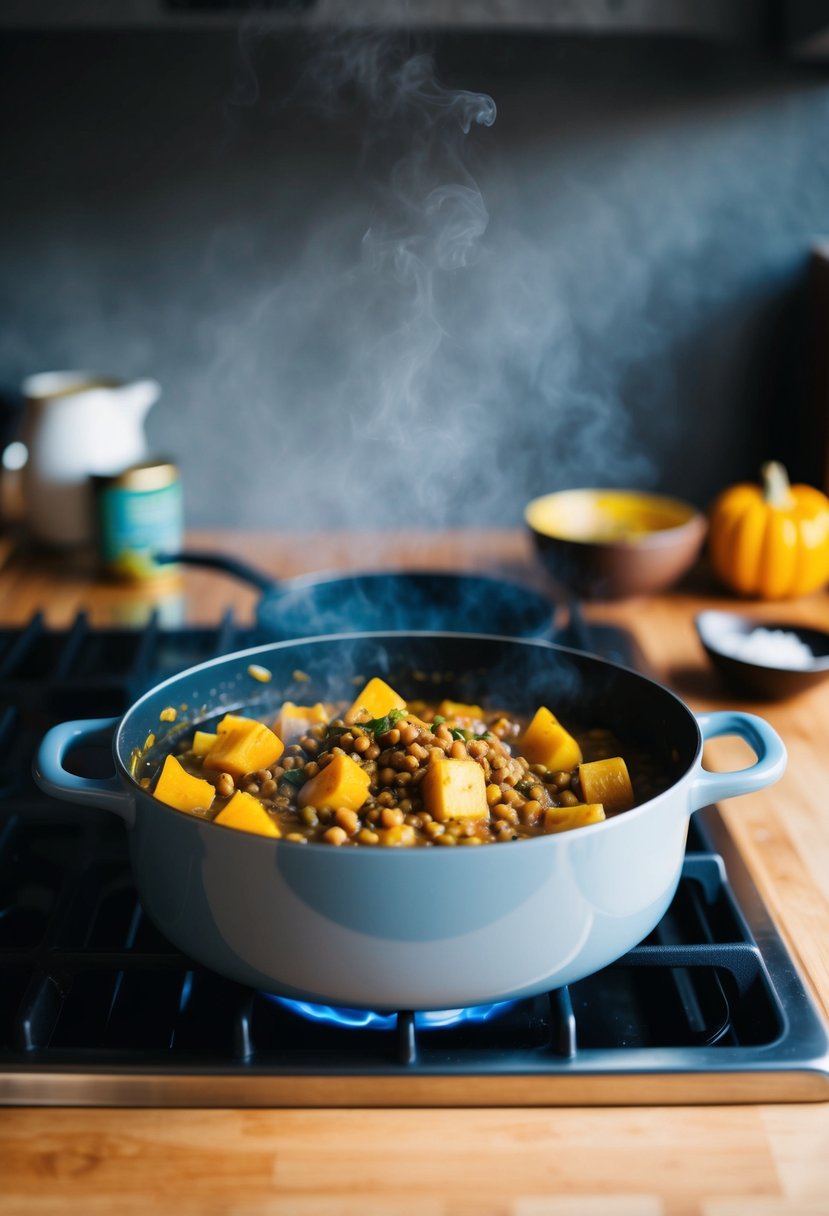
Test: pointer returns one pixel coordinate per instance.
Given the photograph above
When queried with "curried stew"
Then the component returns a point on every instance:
(384, 772)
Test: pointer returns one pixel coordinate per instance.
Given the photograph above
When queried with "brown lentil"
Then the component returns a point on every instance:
(347, 820)
(225, 785)
(530, 813)
(335, 835)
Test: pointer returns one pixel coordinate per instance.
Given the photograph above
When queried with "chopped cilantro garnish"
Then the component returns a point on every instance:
(334, 732)
(294, 776)
(381, 726)
(458, 732)
(374, 726)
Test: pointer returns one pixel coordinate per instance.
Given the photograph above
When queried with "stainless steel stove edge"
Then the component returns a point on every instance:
(631, 1088)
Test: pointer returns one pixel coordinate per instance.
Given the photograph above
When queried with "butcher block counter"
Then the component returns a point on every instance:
(767, 1160)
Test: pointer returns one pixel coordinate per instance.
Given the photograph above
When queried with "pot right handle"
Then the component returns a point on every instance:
(54, 778)
(763, 740)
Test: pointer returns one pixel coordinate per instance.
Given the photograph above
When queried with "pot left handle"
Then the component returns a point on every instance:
(54, 778)
(764, 741)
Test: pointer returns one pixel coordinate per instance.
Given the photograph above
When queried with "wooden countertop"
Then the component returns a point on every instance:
(635, 1161)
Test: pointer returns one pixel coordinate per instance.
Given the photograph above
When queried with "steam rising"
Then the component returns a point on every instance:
(370, 305)
(426, 228)
(376, 70)
(424, 345)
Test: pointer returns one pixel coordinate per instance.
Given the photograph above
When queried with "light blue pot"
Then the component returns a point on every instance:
(417, 928)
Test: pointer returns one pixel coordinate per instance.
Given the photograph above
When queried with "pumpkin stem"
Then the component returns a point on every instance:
(777, 491)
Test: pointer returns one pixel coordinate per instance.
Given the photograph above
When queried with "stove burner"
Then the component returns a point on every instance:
(366, 1019)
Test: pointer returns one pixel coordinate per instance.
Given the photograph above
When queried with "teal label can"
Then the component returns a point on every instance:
(140, 514)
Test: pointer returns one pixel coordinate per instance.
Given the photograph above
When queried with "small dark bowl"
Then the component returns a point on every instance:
(761, 681)
(610, 544)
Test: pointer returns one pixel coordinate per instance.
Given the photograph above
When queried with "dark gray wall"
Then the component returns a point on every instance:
(358, 312)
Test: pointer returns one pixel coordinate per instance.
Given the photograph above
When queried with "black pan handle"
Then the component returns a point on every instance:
(579, 628)
(576, 631)
(221, 561)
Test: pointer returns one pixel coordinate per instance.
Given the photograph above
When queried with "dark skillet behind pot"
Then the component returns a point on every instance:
(402, 600)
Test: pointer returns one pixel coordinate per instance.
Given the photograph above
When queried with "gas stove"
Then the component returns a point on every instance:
(97, 1008)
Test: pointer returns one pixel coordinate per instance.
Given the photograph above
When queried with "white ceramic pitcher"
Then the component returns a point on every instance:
(77, 424)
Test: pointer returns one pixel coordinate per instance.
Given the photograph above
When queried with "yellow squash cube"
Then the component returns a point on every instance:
(565, 818)
(294, 721)
(243, 746)
(248, 815)
(454, 789)
(342, 783)
(375, 701)
(455, 711)
(608, 782)
(203, 740)
(181, 789)
(547, 742)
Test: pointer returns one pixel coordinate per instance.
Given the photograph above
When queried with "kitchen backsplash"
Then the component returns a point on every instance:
(361, 311)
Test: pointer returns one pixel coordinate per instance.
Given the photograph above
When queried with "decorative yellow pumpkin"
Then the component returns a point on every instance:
(770, 541)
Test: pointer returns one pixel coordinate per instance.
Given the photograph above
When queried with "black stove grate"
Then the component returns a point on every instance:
(97, 1007)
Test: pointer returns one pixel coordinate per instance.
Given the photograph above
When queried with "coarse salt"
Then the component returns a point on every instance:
(768, 648)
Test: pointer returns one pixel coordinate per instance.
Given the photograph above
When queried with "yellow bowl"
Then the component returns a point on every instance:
(610, 544)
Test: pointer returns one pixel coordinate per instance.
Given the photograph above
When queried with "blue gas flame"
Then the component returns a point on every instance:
(367, 1019)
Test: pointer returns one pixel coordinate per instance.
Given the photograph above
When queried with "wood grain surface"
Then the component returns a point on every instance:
(628, 1161)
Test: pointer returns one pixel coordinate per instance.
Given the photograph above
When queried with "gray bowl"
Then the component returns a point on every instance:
(766, 679)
